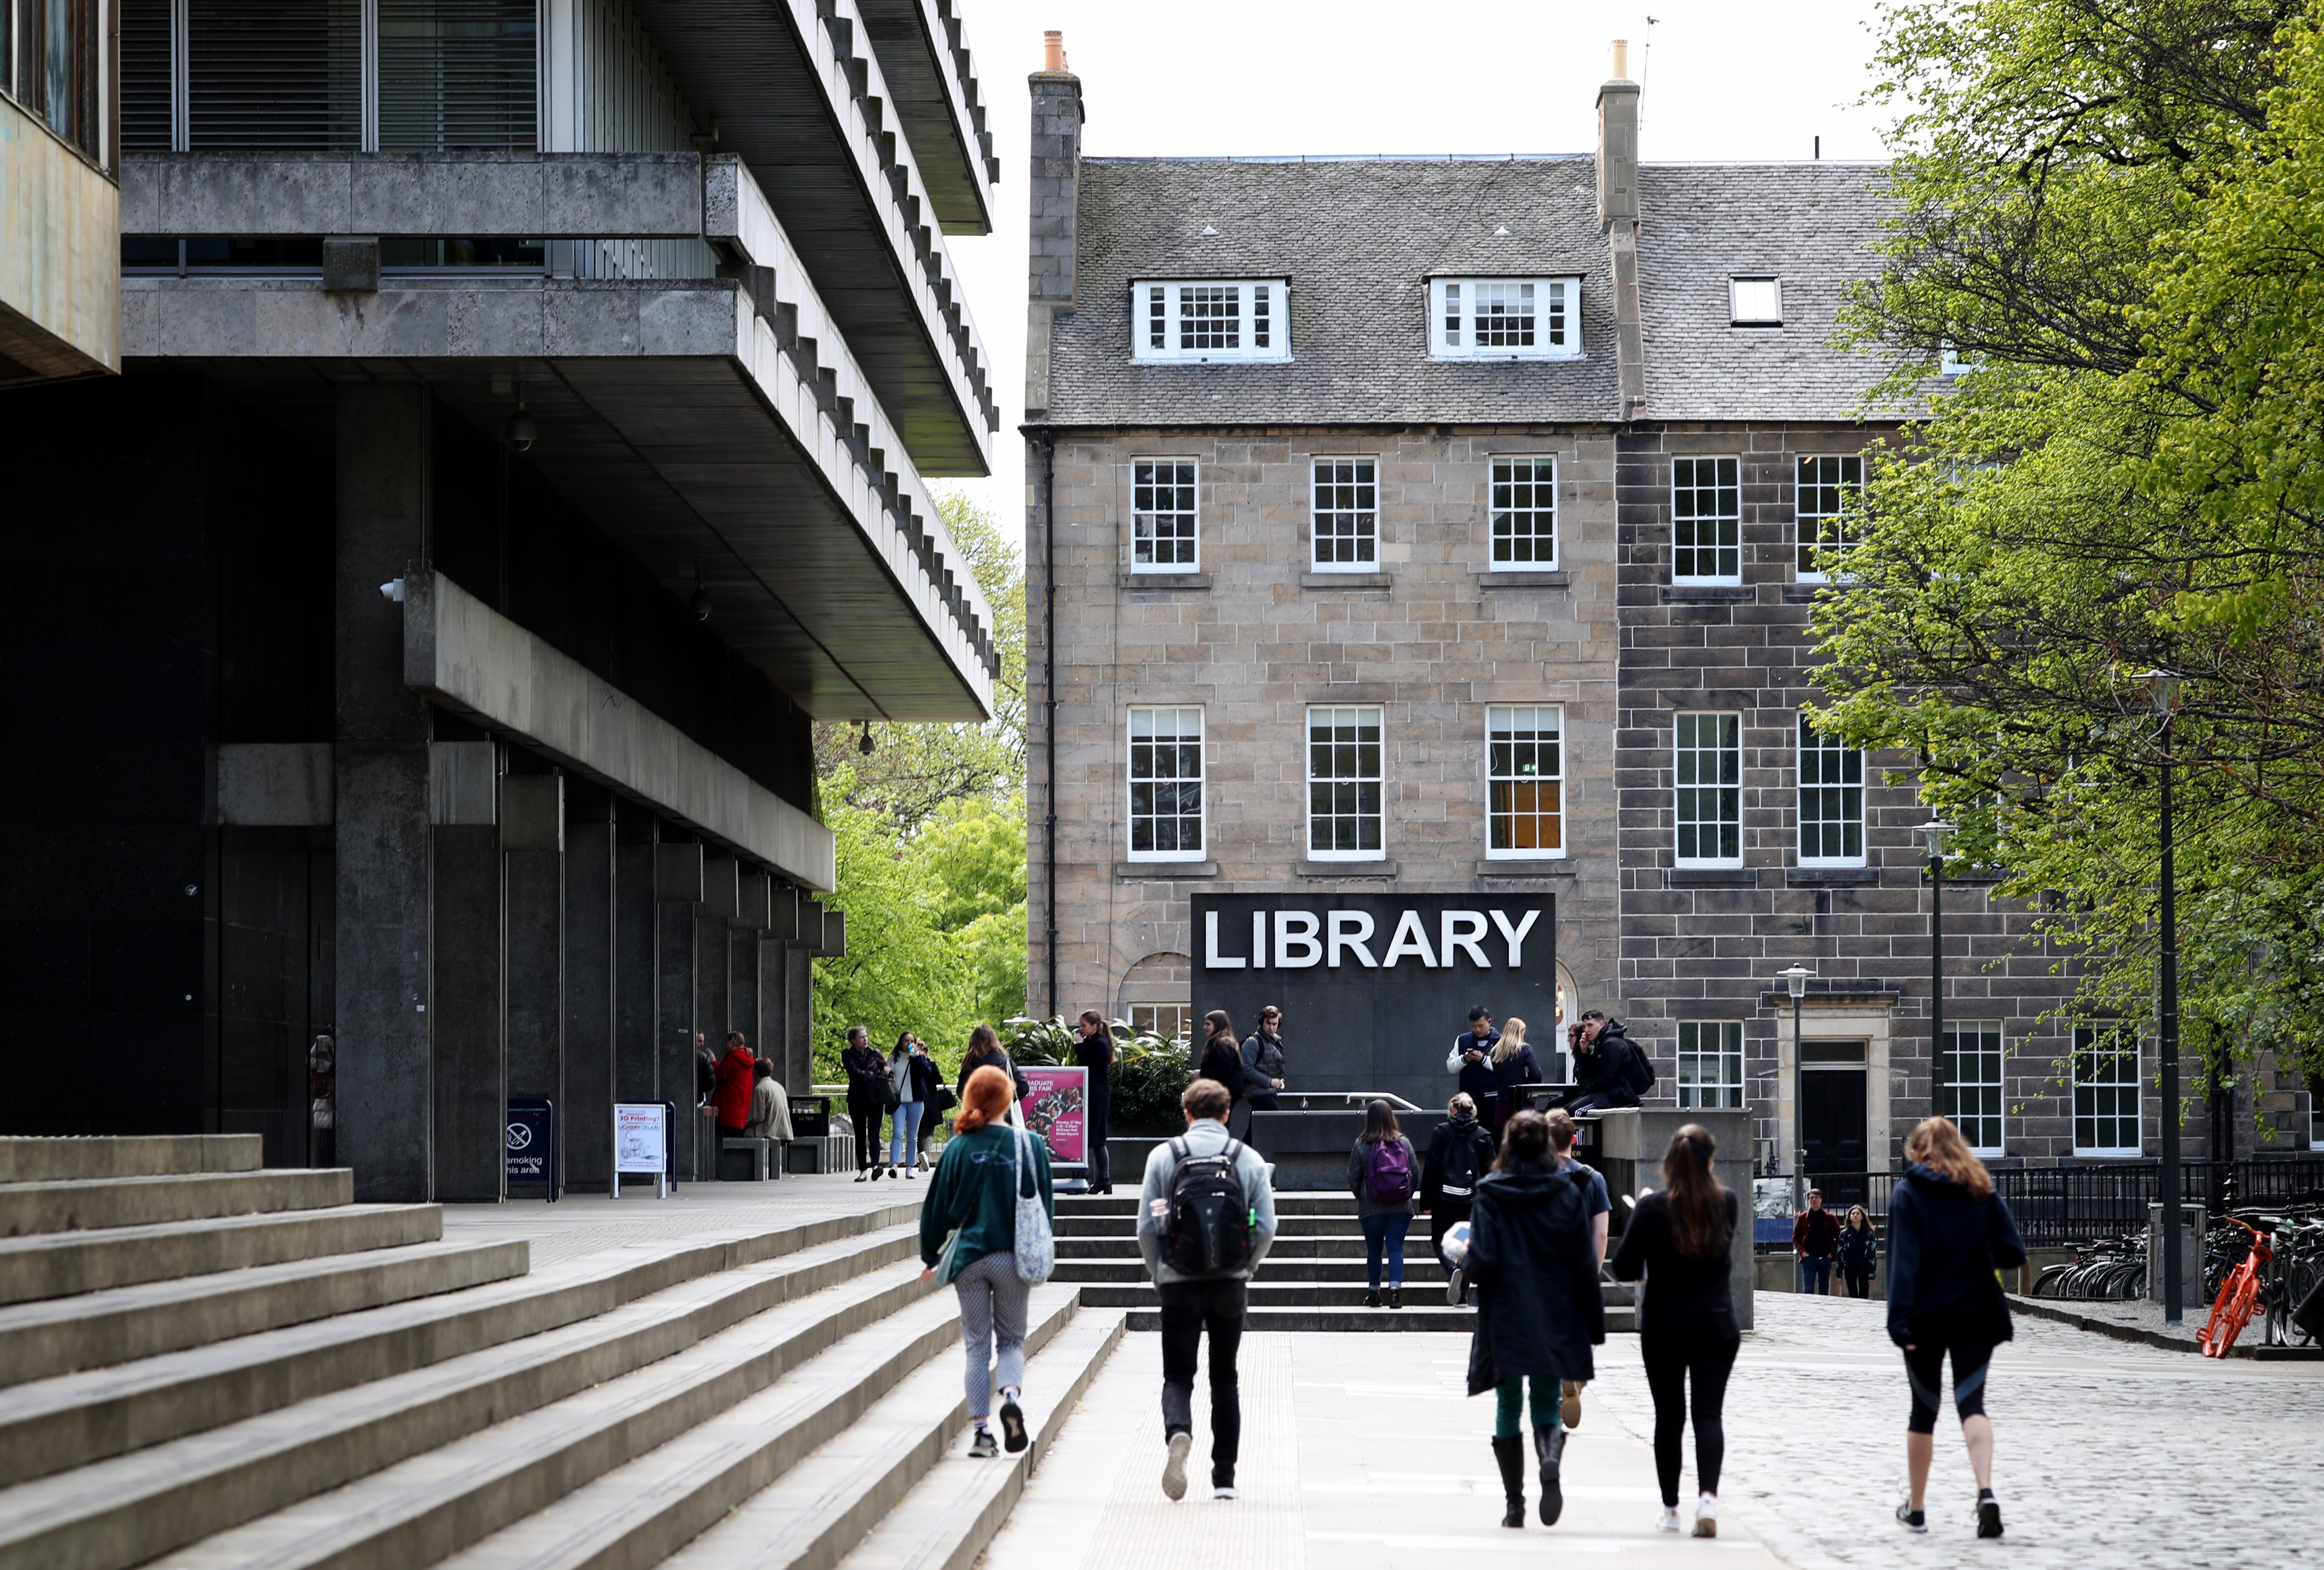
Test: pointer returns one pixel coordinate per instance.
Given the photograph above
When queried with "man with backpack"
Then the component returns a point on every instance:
(1460, 1151)
(1612, 1069)
(1205, 1218)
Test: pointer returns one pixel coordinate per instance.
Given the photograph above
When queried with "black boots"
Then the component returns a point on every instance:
(1549, 1445)
(1510, 1454)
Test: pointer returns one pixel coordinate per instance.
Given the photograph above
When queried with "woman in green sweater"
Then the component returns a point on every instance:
(968, 1229)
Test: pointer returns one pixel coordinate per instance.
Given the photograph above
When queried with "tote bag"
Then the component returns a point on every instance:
(1036, 1246)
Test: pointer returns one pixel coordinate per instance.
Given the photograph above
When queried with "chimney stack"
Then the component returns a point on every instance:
(1054, 194)
(1621, 58)
(1617, 214)
(1052, 52)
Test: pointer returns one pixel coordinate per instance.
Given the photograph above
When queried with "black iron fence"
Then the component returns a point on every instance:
(2061, 1204)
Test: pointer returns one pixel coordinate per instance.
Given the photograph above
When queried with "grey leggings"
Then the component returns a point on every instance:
(993, 1302)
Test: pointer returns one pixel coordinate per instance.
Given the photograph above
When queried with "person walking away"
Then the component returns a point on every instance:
(867, 1098)
(1609, 1070)
(770, 1110)
(968, 1231)
(1097, 1052)
(1815, 1239)
(1539, 1307)
(1680, 1240)
(1205, 1219)
(1384, 1175)
(1460, 1151)
(984, 1050)
(1513, 1064)
(1948, 1233)
(1471, 1059)
(1860, 1252)
(706, 1071)
(730, 1095)
(1262, 1072)
(1599, 1205)
(1221, 1058)
(913, 1078)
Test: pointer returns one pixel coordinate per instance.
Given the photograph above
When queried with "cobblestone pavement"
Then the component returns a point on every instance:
(2107, 1454)
(583, 1224)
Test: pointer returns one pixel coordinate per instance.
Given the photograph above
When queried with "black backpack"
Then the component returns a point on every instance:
(1458, 1179)
(1638, 1072)
(1208, 1232)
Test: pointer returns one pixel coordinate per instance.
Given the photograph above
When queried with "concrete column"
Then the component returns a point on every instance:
(743, 986)
(677, 885)
(592, 984)
(384, 859)
(637, 946)
(774, 1010)
(798, 1018)
(532, 839)
(471, 1077)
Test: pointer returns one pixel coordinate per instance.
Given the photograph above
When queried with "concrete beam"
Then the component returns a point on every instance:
(274, 785)
(593, 980)
(59, 256)
(462, 652)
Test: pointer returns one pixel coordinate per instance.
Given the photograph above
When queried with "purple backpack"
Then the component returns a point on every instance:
(1387, 1172)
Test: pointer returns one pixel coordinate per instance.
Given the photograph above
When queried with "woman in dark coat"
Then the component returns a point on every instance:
(1096, 1053)
(866, 1068)
(1221, 1058)
(1860, 1252)
(1460, 1152)
(1513, 1064)
(985, 1048)
(1538, 1307)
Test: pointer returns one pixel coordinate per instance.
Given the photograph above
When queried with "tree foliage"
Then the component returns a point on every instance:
(2116, 211)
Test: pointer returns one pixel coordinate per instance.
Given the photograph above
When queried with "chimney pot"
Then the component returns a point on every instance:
(1621, 59)
(1053, 50)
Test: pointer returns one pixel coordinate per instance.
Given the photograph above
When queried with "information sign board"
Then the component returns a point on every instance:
(641, 1142)
(1058, 1110)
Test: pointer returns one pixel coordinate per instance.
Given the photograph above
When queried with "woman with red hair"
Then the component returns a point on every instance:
(968, 1230)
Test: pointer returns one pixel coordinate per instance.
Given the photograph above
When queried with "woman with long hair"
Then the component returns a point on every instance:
(914, 1074)
(1460, 1151)
(1860, 1252)
(1221, 1056)
(1539, 1307)
(984, 1050)
(1513, 1064)
(1949, 1233)
(968, 1231)
(1097, 1053)
(1384, 1175)
(1681, 1240)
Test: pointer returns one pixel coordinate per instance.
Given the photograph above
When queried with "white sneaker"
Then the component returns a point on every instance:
(1669, 1520)
(1706, 1517)
(1224, 1491)
(1174, 1470)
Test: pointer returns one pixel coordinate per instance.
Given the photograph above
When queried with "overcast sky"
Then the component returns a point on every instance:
(1211, 77)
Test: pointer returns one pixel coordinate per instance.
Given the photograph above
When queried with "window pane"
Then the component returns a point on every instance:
(2105, 1092)
(1210, 316)
(1162, 512)
(1973, 1087)
(1525, 510)
(1504, 315)
(1166, 781)
(1828, 487)
(1526, 802)
(1346, 511)
(1711, 1063)
(1831, 798)
(1757, 300)
(1707, 518)
(1343, 781)
(1709, 771)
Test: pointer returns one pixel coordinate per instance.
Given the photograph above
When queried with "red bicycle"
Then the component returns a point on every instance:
(2238, 1297)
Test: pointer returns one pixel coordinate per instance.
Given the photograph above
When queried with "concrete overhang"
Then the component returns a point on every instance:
(60, 257)
(796, 88)
(466, 654)
(907, 332)
(923, 54)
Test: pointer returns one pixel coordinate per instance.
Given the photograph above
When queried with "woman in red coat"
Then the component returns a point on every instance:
(736, 1069)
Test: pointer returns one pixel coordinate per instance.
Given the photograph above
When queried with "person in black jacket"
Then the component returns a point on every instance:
(1538, 1310)
(1460, 1152)
(1680, 1240)
(1096, 1053)
(1948, 1232)
(1603, 1072)
(1860, 1252)
(1472, 1058)
(1262, 1072)
(868, 1090)
(984, 1047)
(1221, 1057)
(1513, 1064)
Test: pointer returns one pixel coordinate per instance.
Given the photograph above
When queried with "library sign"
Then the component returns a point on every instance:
(1374, 987)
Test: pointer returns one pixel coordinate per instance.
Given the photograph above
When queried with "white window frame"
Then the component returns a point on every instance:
(1141, 480)
(1503, 720)
(1755, 300)
(2084, 1040)
(1722, 1050)
(1178, 712)
(1331, 713)
(1502, 480)
(1453, 318)
(1991, 1048)
(1368, 558)
(1256, 300)
(1848, 793)
(1153, 1016)
(1681, 749)
(1687, 479)
(1804, 539)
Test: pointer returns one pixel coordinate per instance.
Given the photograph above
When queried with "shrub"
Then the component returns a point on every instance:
(1147, 1083)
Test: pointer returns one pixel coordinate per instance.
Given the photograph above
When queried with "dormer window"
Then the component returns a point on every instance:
(1505, 318)
(1756, 302)
(1206, 319)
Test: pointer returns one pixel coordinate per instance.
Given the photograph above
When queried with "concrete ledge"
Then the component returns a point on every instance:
(86, 1205)
(1162, 871)
(1546, 868)
(1179, 581)
(1345, 581)
(1513, 578)
(27, 1159)
(1347, 870)
(1710, 876)
(1710, 594)
(62, 1264)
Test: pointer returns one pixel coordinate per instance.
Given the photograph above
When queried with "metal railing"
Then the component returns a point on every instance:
(2060, 1205)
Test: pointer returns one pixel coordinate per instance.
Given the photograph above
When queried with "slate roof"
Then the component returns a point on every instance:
(1360, 237)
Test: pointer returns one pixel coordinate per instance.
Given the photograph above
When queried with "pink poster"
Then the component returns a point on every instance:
(1055, 1110)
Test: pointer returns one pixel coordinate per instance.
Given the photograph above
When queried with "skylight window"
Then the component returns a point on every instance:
(1211, 319)
(1756, 302)
(1505, 318)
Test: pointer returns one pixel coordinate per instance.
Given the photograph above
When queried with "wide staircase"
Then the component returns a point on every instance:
(204, 1364)
(1313, 1279)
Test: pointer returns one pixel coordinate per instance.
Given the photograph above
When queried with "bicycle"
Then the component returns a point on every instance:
(2239, 1295)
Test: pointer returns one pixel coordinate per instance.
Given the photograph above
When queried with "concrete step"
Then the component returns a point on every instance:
(1126, 1204)
(85, 1204)
(59, 1264)
(50, 1425)
(1279, 1271)
(131, 1508)
(99, 1329)
(1420, 1312)
(941, 1516)
(1286, 1225)
(28, 1159)
(601, 1441)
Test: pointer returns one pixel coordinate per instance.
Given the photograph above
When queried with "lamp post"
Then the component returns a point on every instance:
(1796, 982)
(2163, 687)
(1933, 833)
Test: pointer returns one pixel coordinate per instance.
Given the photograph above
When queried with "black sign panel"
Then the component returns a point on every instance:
(531, 1143)
(1374, 987)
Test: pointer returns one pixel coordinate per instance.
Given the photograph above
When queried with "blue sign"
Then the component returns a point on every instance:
(531, 1143)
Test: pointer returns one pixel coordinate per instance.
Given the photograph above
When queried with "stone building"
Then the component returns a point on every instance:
(518, 447)
(1447, 526)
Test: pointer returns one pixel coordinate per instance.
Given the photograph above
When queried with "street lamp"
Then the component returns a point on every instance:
(1796, 982)
(2162, 686)
(1933, 834)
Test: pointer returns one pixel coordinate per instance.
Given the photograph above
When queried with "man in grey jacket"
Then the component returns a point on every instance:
(1213, 1303)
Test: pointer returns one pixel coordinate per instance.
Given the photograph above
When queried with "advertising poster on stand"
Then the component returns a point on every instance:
(1057, 1110)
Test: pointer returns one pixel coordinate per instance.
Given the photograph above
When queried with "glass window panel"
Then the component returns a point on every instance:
(1830, 488)
(1709, 771)
(1711, 1063)
(1973, 1084)
(1707, 520)
(1524, 769)
(2107, 1093)
(1344, 782)
(1830, 798)
(1165, 782)
(1346, 511)
(1162, 513)
(1525, 512)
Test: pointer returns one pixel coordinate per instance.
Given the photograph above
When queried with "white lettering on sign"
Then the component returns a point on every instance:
(1211, 955)
(1303, 940)
(1516, 935)
(1351, 930)
(1259, 940)
(1295, 947)
(1461, 930)
(1410, 939)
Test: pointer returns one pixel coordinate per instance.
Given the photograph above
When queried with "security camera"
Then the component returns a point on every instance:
(393, 589)
(520, 431)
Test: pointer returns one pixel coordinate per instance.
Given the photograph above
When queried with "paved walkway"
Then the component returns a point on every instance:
(584, 1224)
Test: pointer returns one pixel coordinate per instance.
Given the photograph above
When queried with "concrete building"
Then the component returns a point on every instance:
(60, 147)
(1428, 527)
(519, 446)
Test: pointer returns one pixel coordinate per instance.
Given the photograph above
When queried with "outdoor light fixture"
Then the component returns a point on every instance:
(863, 741)
(520, 431)
(1796, 982)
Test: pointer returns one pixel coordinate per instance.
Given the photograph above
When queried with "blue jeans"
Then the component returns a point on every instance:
(904, 1141)
(1815, 1275)
(1386, 1229)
